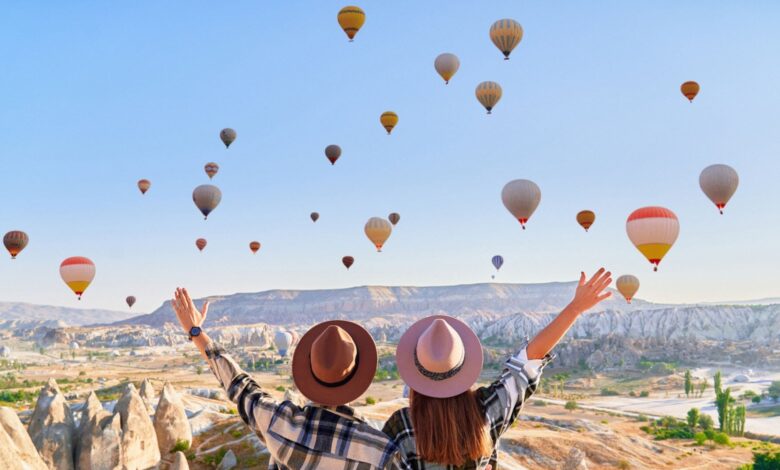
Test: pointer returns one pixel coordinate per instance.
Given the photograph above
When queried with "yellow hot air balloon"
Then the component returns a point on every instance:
(627, 285)
(586, 219)
(488, 93)
(446, 65)
(690, 90)
(506, 34)
(521, 198)
(388, 119)
(351, 19)
(653, 230)
(719, 182)
(378, 230)
(77, 272)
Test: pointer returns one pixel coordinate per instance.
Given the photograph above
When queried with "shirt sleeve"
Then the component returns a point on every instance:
(504, 398)
(255, 406)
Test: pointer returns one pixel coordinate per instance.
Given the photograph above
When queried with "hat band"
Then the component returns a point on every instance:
(438, 376)
(341, 382)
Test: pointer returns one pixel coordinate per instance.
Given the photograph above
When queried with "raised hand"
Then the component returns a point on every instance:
(186, 311)
(591, 292)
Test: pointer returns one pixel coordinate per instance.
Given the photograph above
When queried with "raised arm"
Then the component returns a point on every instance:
(588, 295)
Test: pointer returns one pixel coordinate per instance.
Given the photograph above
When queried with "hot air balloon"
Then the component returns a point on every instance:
(586, 219)
(627, 285)
(394, 217)
(690, 90)
(719, 182)
(206, 198)
(144, 185)
(653, 230)
(497, 261)
(201, 243)
(130, 301)
(506, 34)
(15, 241)
(521, 198)
(254, 246)
(348, 261)
(283, 341)
(351, 19)
(227, 135)
(446, 65)
(388, 119)
(314, 216)
(488, 93)
(77, 272)
(333, 152)
(378, 230)
(211, 169)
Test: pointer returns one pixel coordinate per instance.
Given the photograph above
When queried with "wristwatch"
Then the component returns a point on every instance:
(195, 331)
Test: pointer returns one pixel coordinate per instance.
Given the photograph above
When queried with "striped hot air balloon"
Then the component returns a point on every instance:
(506, 34)
(653, 230)
(627, 285)
(586, 219)
(201, 243)
(77, 272)
(394, 218)
(488, 94)
(15, 241)
(719, 182)
(348, 261)
(378, 230)
(130, 301)
(388, 119)
(211, 169)
(497, 261)
(690, 89)
(351, 19)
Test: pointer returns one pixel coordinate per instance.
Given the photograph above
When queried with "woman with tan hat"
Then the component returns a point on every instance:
(448, 425)
(333, 364)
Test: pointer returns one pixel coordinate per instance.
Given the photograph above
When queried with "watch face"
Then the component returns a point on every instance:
(195, 331)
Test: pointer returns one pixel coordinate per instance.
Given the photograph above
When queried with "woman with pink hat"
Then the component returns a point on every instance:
(448, 425)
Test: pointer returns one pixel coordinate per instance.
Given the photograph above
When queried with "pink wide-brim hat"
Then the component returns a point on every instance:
(451, 386)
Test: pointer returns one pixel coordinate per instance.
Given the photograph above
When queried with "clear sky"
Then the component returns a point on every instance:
(96, 95)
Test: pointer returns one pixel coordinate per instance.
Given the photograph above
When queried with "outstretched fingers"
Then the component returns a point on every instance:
(596, 277)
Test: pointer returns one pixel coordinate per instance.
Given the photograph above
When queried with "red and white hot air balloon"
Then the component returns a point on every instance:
(653, 230)
(77, 272)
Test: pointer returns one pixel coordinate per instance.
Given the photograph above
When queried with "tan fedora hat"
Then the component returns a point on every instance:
(439, 356)
(334, 363)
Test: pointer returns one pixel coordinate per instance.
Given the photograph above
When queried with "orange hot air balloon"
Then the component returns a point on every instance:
(201, 243)
(378, 230)
(348, 261)
(586, 219)
(144, 185)
(314, 216)
(627, 285)
(77, 272)
(690, 89)
(254, 246)
(130, 301)
(211, 169)
(15, 241)
(388, 119)
(653, 230)
(332, 152)
(351, 19)
(394, 218)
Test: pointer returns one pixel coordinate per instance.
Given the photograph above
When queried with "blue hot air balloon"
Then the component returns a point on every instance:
(498, 261)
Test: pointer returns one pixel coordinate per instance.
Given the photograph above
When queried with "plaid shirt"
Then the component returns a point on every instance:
(501, 400)
(312, 437)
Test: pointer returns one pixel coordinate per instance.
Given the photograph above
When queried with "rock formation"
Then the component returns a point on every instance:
(139, 440)
(52, 428)
(147, 395)
(179, 462)
(170, 420)
(17, 451)
(99, 446)
(228, 461)
(576, 460)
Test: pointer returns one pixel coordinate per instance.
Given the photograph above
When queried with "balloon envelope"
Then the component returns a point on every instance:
(388, 119)
(283, 341)
(211, 169)
(254, 246)
(488, 94)
(314, 216)
(15, 241)
(394, 218)
(627, 285)
(719, 182)
(348, 261)
(206, 198)
(378, 230)
(130, 301)
(521, 198)
(653, 230)
(144, 185)
(446, 65)
(506, 34)
(351, 19)
(497, 261)
(227, 136)
(586, 219)
(77, 272)
(332, 152)
(690, 89)
(201, 243)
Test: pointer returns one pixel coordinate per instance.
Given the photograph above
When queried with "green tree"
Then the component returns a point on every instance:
(693, 417)
(571, 405)
(722, 402)
(688, 383)
(722, 438)
(702, 387)
(700, 437)
(717, 381)
(774, 390)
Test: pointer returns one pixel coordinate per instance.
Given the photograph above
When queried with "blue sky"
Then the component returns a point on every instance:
(96, 95)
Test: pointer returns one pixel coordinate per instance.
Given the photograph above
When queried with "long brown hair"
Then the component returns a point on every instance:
(449, 431)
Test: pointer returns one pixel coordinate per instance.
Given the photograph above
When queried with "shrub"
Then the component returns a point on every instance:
(539, 403)
(571, 405)
(370, 401)
(236, 433)
(768, 461)
(700, 437)
(706, 422)
(644, 394)
(280, 388)
(722, 438)
(623, 465)
(641, 418)
(756, 399)
(632, 393)
(181, 445)
(607, 392)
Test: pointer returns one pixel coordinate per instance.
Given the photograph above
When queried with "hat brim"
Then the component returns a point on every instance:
(455, 385)
(342, 394)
